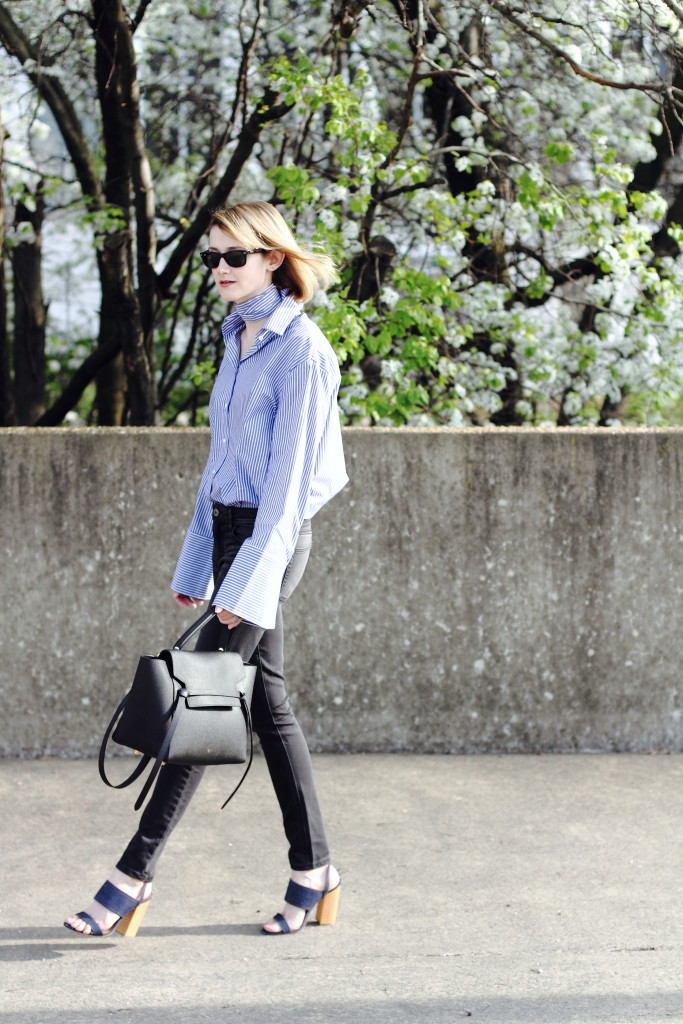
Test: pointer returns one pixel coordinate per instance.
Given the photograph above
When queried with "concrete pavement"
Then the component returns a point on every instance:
(500, 890)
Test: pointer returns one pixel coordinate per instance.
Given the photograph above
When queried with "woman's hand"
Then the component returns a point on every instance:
(227, 618)
(186, 602)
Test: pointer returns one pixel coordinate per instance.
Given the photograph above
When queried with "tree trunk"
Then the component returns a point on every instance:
(6, 397)
(128, 95)
(110, 381)
(30, 315)
(120, 312)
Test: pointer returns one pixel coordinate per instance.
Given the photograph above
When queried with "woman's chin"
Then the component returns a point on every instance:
(233, 293)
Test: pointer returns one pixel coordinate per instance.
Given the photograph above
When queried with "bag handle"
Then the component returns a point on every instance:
(194, 628)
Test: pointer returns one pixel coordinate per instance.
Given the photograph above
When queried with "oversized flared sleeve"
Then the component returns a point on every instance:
(193, 574)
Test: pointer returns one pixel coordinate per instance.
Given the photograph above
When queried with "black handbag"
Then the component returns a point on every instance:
(185, 707)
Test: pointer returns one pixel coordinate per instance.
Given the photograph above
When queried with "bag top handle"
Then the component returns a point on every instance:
(194, 628)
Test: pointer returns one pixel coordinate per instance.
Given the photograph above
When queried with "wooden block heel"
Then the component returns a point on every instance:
(324, 900)
(128, 925)
(328, 905)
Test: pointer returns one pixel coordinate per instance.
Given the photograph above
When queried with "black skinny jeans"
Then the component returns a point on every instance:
(282, 741)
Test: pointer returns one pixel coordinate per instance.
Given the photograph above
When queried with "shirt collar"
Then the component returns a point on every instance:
(276, 324)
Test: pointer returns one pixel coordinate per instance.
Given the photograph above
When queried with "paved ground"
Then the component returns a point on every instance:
(496, 889)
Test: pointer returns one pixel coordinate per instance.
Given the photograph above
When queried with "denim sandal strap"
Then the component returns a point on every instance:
(94, 927)
(302, 897)
(282, 922)
(115, 900)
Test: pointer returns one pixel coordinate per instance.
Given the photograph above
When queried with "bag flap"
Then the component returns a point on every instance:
(209, 701)
(207, 673)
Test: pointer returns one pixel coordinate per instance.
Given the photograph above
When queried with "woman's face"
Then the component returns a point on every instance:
(236, 284)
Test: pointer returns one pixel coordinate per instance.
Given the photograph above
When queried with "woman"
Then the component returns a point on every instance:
(275, 459)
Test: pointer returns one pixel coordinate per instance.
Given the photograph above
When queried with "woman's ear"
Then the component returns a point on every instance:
(275, 259)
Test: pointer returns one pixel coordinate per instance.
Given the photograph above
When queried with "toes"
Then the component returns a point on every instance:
(78, 925)
(273, 927)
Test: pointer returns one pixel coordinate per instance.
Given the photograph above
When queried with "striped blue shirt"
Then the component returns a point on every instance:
(276, 445)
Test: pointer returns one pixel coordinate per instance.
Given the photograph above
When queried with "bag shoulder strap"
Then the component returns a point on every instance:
(160, 758)
(146, 758)
(137, 771)
(247, 717)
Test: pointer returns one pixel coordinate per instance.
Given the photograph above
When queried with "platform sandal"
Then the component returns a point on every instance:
(130, 911)
(326, 901)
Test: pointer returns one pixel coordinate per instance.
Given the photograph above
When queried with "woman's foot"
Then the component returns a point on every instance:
(321, 880)
(103, 918)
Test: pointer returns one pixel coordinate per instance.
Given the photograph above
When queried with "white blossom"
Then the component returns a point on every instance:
(334, 193)
(391, 368)
(389, 296)
(350, 230)
(328, 218)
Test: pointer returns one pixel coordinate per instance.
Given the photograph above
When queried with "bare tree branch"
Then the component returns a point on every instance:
(673, 6)
(83, 376)
(205, 289)
(414, 187)
(52, 92)
(139, 15)
(240, 100)
(509, 14)
(265, 111)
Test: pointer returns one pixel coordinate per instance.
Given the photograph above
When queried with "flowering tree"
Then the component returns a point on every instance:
(499, 184)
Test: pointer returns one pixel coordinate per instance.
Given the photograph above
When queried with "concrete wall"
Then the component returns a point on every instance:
(470, 590)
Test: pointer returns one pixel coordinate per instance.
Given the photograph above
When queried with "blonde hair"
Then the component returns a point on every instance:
(260, 226)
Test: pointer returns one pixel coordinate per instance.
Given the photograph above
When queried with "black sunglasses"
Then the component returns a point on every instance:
(233, 257)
